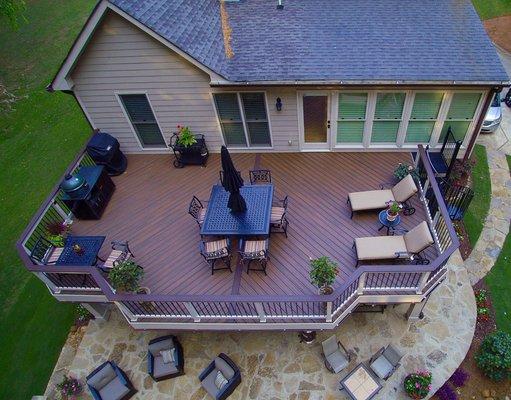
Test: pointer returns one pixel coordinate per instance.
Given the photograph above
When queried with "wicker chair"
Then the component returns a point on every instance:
(229, 372)
(109, 382)
(260, 176)
(120, 252)
(254, 250)
(44, 252)
(197, 210)
(278, 218)
(157, 368)
(217, 250)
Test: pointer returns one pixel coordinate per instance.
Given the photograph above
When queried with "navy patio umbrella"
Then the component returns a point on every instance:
(232, 182)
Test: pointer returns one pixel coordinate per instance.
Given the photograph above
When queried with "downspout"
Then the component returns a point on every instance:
(482, 115)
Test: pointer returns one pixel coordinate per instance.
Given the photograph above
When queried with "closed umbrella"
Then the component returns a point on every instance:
(232, 183)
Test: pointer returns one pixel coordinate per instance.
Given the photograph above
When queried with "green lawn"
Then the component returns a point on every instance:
(478, 209)
(499, 281)
(37, 141)
(492, 8)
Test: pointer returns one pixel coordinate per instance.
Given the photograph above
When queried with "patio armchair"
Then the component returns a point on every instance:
(336, 356)
(197, 210)
(278, 218)
(408, 246)
(45, 252)
(259, 176)
(254, 250)
(165, 358)
(109, 382)
(377, 199)
(120, 252)
(220, 377)
(385, 362)
(217, 250)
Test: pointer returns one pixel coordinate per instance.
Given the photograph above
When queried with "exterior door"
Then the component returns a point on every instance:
(315, 133)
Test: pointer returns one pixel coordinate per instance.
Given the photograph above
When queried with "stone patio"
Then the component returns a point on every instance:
(275, 365)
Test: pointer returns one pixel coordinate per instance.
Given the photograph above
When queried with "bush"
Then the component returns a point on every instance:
(447, 393)
(459, 378)
(494, 357)
(125, 276)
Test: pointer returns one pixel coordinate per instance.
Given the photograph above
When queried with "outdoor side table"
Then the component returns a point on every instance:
(90, 245)
(220, 221)
(385, 223)
(360, 384)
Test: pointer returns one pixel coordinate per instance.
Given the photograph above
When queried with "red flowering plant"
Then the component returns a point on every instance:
(418, 384)
(483, 312)
(186, 137)
(69, 388)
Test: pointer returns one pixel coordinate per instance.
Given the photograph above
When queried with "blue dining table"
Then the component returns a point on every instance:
(90, 246)
(255, 221)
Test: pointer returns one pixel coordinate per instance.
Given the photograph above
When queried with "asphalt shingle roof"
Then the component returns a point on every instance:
(329, 40)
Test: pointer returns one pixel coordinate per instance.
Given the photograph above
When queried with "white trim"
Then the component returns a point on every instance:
(335, 120)
(118, 95)
(320, 146)
(405, 118)
(394, 144)
(84, 109)
(60, 81)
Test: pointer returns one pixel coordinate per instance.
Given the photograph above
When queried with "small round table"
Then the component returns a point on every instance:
(385, 223)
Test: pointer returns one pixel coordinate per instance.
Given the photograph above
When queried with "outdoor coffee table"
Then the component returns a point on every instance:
(90, 245)
(385, 223)
(219, 220)
(360, 384)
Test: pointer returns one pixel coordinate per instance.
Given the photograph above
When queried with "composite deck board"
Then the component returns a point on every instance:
(150, 209)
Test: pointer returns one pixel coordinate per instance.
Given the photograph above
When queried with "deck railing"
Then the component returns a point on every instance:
(369, 284)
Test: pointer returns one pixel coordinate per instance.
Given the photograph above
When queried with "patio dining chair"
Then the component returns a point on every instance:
(408, 246)
(254, 251)
(278, 218)
(44, 252)
(258, 176)
(377, 199)
(217, 250)
(385, 362)
(336, 356)
(109, 382)
(197, 210)
(165, 358)
(120, 252)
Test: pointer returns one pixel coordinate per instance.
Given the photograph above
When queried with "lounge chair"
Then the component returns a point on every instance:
(377, 199)
(336, 356)
(408, 246)
(220, 377)
(109, 382)
(385, 362)
(165, 358)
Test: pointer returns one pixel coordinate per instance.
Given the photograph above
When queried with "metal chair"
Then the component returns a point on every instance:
(385, 362)
(254, 250)
(45, 252)
(217, 250)
(197, 210)
(336, 356)
(278, 218)
(260, 176)
(120, 252)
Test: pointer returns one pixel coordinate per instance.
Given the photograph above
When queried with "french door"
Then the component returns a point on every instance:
(314, 108)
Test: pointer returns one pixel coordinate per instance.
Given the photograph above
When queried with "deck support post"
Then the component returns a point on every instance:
(414, 312)
(422, 282)
(99, 310)
(328, 311)
(361, 284)
(260, 311)
(193, 312)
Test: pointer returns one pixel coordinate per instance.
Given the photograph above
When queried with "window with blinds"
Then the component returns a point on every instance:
(142, 119)
(387, 116)
(461, 113)
(246, 126)
(351, 117)
(423, 117)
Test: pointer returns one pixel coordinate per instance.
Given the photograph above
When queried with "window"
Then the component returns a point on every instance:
(351, 117)
(143, 120)
(424, 114)
(461, 113)
(243, 119)
(387, 117)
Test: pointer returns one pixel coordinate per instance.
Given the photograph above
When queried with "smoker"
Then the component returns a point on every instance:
(105, 150)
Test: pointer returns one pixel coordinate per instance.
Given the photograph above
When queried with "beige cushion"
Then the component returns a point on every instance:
(217, 245)
(405, 189)
(370, 200)
(202, 215)
(54, 256)
(379, 247)
(254, 246)
(113, 256)
(276, 214)
(418, 238)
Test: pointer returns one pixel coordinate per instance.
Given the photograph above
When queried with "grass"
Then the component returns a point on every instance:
(37, 141)
(499, 281)
(478, 209)
(492, 8)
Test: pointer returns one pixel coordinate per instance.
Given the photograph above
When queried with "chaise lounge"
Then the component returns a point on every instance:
(408, 246)
(109, 382)
(220, 377)
(377, 199)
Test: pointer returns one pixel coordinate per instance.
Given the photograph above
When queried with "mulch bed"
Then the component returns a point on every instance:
(499, 30)
(465, 248)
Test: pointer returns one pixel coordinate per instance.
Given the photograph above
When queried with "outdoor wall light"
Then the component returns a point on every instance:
(278, 104)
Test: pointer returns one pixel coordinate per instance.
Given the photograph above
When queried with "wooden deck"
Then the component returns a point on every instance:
(150, 204)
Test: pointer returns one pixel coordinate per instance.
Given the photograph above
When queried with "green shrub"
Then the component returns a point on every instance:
(494, 357)
(323, 271)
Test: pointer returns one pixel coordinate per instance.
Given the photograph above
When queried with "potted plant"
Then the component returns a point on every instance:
(418, 384)
(125, 276)
(185, 136)
(323, 272)
(56, 233)
(393, 209)
(69, 388)
(404, 169)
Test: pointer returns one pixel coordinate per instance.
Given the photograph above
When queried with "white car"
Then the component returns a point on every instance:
(493, 116)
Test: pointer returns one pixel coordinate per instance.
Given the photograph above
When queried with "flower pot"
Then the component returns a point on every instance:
(391, 216)
(326, 290)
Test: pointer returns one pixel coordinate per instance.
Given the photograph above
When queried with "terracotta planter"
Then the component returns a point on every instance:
(391, 216)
